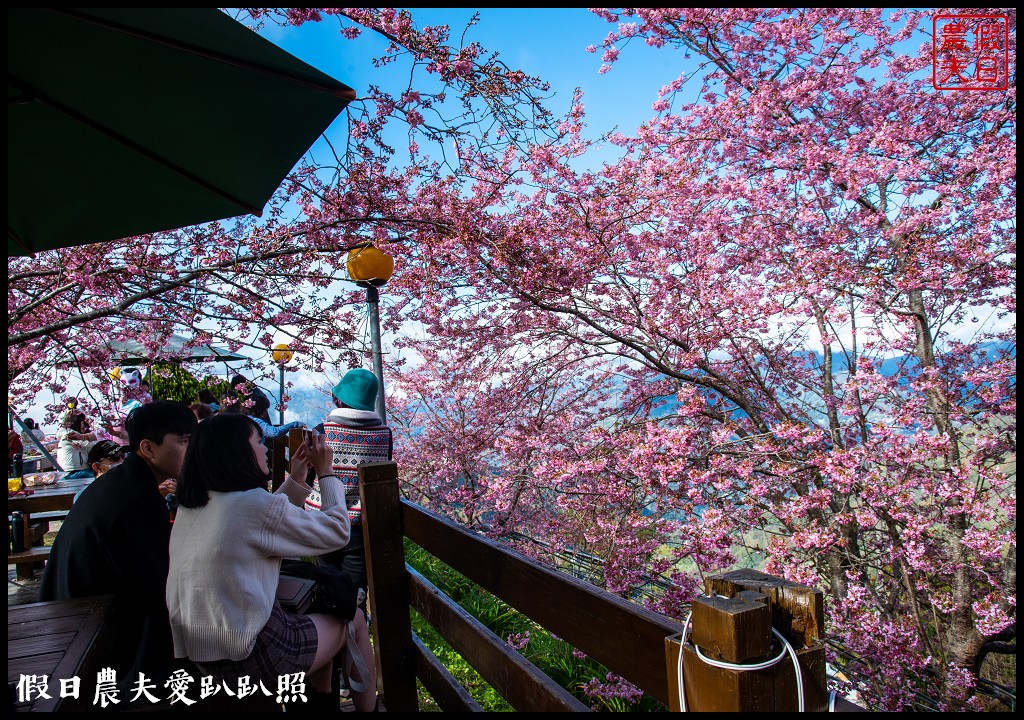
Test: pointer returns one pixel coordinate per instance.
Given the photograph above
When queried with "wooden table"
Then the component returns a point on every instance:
(56, 498)
(60, 639)
(48, 498)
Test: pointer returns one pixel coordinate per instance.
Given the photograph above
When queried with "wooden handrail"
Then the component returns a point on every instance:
(631, 641)
(525, 687)
(624, 637)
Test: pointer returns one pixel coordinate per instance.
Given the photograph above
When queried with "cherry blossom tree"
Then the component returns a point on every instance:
(778, 329)
(244, 282)
(749, 331)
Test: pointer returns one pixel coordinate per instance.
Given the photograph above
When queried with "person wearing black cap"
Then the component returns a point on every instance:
(104, 455)
(248, 391)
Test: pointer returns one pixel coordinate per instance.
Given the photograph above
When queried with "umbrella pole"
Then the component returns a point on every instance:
(12, 416)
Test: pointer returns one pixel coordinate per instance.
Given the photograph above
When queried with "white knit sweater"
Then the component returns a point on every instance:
(226, 561)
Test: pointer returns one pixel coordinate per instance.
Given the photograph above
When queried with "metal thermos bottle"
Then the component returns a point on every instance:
(19, 465)
(17, 532)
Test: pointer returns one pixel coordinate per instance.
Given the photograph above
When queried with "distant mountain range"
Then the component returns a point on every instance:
(889, 367)
(311, 405)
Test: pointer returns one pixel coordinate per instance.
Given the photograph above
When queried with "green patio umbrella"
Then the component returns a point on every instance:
(177, 349)
(128, 121)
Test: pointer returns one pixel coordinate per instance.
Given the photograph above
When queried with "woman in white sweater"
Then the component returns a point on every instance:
(227, 543)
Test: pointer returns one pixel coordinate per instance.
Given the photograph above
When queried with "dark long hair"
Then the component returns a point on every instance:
(219, 458)
(75, 421)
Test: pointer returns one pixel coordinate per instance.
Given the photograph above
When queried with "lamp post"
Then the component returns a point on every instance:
(371, 268)
(281, 355)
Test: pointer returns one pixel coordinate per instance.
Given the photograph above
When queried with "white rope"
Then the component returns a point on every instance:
(787, 648)
(354, 660)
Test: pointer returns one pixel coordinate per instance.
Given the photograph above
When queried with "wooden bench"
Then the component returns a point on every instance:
(35, 554)
(51, 516)
(28, 560)
(39, 525)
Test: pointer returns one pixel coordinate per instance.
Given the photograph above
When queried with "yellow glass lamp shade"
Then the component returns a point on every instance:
(369, 266)
(281, 353)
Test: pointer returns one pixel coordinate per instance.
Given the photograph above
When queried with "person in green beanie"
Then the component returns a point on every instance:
(358, 436)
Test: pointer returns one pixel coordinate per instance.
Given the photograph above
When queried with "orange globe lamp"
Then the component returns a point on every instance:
(281, 353)
(371, 268)
(368, 266)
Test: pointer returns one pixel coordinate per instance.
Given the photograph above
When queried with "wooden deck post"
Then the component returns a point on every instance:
(733, 624)
(798, 613)
(394, 650)
(278, 460)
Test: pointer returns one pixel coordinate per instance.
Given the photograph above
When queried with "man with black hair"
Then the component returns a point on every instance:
(115, 539)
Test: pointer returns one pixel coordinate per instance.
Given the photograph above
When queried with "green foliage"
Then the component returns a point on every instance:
(480, 689)
(170, 381)
(551, 655)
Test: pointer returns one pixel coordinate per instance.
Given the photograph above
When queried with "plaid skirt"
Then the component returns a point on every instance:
(286, 645)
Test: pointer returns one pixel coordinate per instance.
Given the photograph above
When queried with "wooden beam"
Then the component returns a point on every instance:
(732, 630)
(626, 638)
(278, 460)
(798, 611)
(515, 678)
(447, 692)
(394, 651)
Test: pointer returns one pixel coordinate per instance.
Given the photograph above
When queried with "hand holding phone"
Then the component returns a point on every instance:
(299, 463)
(321, 454)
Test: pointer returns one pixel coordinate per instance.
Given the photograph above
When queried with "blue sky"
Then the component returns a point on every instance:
(549, 43)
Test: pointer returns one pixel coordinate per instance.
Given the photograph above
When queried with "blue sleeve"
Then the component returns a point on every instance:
(272, 431)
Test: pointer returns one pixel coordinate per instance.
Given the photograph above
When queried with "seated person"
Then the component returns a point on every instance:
(14, 447)
(114, 542)
(32, 432)
(205, 396)
(103, 456)
(357, 436)
(229, 538)
(260, 403)
(74, 438)
(202, 411)
(232, 402)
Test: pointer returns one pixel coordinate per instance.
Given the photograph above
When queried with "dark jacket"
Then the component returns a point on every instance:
(115, 541)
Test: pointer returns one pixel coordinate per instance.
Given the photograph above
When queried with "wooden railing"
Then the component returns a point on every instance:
(639, 645)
